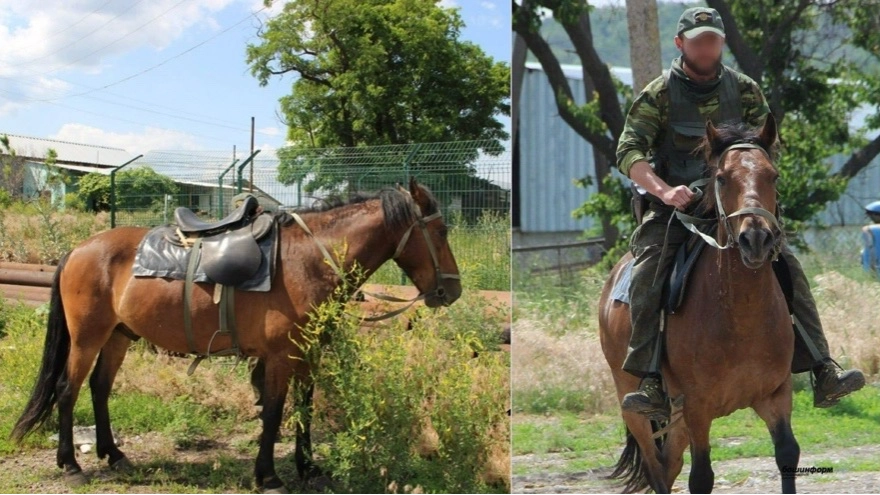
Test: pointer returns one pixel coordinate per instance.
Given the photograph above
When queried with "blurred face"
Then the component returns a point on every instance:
(702, 54)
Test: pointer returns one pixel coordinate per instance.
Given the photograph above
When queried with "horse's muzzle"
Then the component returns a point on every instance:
(756, 246)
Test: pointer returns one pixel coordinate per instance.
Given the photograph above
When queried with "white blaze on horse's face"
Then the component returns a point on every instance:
(747, 179)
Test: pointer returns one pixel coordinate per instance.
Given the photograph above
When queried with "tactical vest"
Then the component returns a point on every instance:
(675, 161)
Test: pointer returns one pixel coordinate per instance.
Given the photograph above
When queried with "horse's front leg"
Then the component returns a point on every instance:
(278, 371)
(775, 410)
(305, 391)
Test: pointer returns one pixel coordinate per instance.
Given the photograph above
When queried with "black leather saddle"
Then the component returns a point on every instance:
(189, 223)
(229, 250)
(686, 257)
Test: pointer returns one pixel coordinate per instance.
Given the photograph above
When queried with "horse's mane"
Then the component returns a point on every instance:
(398, 206)
(726, 135)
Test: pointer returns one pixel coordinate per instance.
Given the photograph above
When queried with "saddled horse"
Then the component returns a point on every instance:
(97, 306)
(729, 345)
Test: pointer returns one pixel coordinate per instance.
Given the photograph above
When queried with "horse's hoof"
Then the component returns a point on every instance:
(122, 465)
(75, 479)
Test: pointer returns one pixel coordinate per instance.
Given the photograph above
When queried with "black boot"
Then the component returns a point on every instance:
(833, 382)
(649, 400)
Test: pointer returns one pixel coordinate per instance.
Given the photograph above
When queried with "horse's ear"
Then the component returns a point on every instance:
(712, 136)
(768, 135)
(415, 189)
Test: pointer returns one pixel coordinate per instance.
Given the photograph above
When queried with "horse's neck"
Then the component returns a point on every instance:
(741, 287)
(363, 235)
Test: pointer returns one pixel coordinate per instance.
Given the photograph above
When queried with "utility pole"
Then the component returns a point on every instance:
(252, 153)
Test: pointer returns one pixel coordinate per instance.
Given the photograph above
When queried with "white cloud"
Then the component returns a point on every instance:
(150, 138)
(55, 35)
(44, 40)
(448, 4)
(488, 5)
(269, 131)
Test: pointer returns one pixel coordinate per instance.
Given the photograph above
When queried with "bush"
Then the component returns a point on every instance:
(410, 409)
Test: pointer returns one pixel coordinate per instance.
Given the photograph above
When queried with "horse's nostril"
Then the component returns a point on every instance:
(744, 241)
(768, 240)
(441, 291)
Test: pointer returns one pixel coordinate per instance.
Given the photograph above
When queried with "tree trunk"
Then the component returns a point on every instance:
(644, 42)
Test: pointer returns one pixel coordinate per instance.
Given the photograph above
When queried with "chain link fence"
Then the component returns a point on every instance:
(470, 179)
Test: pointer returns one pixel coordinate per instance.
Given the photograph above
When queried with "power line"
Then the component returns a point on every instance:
(74, 42)
(120, 38)
(204, 119)
(160, 64)
(112, 117)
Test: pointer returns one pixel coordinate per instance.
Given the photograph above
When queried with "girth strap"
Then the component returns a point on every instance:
(226, 308)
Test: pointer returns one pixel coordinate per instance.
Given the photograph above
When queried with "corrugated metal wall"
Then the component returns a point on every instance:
(552, 156)
(861, 190)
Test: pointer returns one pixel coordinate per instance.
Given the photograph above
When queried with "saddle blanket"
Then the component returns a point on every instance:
(160, 257)
(620, 291)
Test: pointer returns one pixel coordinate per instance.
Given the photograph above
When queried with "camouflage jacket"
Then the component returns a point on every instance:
(646, 123)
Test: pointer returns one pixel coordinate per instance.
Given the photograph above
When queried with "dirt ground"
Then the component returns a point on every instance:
(763, 477)
(34, 471)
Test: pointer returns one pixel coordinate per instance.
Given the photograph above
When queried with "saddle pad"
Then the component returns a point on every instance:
(620, 291)
(158, 257)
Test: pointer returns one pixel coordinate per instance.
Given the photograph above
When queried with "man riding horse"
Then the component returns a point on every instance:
(656, 150)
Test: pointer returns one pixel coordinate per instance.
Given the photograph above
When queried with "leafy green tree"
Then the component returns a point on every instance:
(378, 72)
(136, 188)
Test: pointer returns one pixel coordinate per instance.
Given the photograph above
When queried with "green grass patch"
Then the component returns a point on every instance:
(596, 441)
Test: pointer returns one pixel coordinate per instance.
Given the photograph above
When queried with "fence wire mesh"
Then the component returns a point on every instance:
(470, 179)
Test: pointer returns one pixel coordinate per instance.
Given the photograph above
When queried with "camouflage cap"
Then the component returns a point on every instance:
(698, 20)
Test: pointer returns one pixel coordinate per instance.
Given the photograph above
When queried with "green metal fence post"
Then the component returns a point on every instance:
(113, 189)
(242, 166)
(220, 188)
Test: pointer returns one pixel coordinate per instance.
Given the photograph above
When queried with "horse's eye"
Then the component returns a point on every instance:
(721, 180)
(443, 233)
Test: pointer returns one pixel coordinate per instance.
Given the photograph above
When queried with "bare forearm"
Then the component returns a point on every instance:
(643, 175)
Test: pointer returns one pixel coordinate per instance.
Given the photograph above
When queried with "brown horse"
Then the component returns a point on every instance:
(97, 306)
(729, 345)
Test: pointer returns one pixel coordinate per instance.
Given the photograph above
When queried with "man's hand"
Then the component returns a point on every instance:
(678, 196)
(642, 174)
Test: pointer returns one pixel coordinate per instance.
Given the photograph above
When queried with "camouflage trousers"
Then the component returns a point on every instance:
(646, 296)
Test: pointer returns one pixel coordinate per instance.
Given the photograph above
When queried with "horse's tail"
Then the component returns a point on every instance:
(630, 469)
(53, 367)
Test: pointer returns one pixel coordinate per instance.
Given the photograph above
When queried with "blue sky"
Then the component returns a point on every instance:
(157, 74)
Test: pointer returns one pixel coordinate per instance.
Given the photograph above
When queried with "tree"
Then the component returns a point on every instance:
(816, 61)
(136, 188)
(12, 173)
(372, 72)
(602, 111)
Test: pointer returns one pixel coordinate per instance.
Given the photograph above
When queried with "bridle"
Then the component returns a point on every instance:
(691, 222)
(440, 276)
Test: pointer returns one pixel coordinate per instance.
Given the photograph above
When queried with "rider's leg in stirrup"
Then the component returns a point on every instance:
(831, 381)
(644, 353)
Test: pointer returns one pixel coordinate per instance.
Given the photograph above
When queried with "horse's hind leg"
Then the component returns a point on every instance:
(673, 452)
(776, 413)
(82, 354)
(101, 382)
